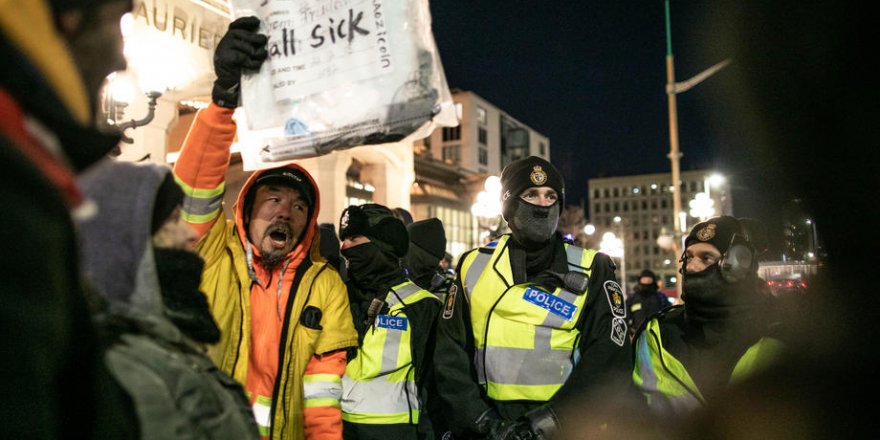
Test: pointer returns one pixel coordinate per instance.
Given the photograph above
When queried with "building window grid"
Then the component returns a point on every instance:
(452, 153)
(451, 133)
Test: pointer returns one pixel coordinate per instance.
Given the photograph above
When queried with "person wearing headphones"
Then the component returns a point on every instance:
(724, 332)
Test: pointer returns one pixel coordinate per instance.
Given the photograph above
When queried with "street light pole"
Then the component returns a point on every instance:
(674, 154)
(673, 88)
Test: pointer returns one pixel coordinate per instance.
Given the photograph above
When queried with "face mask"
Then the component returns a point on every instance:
(367, 266)
(647, 288)
(706, 295)
(532, 224)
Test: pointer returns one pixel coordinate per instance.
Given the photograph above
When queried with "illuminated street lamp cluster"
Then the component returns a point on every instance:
(487, 208)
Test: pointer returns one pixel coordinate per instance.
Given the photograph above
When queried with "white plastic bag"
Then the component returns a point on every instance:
(343, 73)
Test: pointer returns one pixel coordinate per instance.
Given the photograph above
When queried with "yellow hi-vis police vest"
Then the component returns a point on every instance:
(379, 384)
(668, 387)
(526, 338)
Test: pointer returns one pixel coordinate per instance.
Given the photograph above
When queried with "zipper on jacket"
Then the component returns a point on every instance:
(279, 387)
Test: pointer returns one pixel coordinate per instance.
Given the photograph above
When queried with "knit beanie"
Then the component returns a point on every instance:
(428, 235)
(168, 197)
(403, 215)
(717, 231)
(527, 173)
(289, 177)
(377, 223)
(649, 274)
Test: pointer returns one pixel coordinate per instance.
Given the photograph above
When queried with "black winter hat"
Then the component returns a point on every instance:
(526, 173)
(429, 235)
(289, 177)
(168, 196)
(648, 273)
(717, 231)
(403, 215)
(377, 223)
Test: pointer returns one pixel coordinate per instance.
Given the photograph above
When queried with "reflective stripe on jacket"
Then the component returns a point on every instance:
(526, 338)
(379, 384)
(665, 382)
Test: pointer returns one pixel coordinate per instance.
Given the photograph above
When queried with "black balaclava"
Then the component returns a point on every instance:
(426, 248)
(373, 266)
(650, 288)
(532, 225)
(371, 269)
(711, 302)
(186, 306)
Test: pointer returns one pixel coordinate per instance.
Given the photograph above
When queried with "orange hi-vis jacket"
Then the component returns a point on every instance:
(291, 371)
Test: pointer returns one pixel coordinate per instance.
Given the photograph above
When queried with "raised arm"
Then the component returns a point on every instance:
(204, 158)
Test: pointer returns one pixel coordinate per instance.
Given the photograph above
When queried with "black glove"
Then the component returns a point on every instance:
(241, 48)
(493, 427)
(542, 422)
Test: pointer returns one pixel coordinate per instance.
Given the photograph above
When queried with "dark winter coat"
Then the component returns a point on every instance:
(177, 391)
(54, 383)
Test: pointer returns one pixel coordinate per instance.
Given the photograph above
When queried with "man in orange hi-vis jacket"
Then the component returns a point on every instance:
(283, 311)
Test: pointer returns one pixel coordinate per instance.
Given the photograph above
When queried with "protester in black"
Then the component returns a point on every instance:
(645, 301)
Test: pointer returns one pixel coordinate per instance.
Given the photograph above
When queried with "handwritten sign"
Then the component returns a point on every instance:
(343, 73)
(327, 42)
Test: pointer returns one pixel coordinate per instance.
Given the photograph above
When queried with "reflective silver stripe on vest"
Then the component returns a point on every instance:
(474, 272)
(574, 254)
(402, 293)
(539, 365)
(378, 395)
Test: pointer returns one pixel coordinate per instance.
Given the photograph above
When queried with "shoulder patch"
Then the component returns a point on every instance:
(449, 306)
(614, 294)
(618, 331)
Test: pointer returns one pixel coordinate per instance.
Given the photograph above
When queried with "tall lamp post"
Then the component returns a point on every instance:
(673, 88)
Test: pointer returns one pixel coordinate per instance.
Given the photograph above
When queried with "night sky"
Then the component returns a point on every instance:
(591, 76)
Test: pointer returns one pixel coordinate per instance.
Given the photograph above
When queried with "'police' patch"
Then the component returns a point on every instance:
(392, 322)
(449, 307)
(550, 302)
(618, 331)
(615, 298)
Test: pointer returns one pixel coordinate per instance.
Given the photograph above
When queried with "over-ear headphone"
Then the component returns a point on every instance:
(740, 260)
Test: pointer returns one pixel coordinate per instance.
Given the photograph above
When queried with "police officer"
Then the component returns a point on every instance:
(427, 248)
(383, 390)
(530, 322)
(722, 333)
(645, 301)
